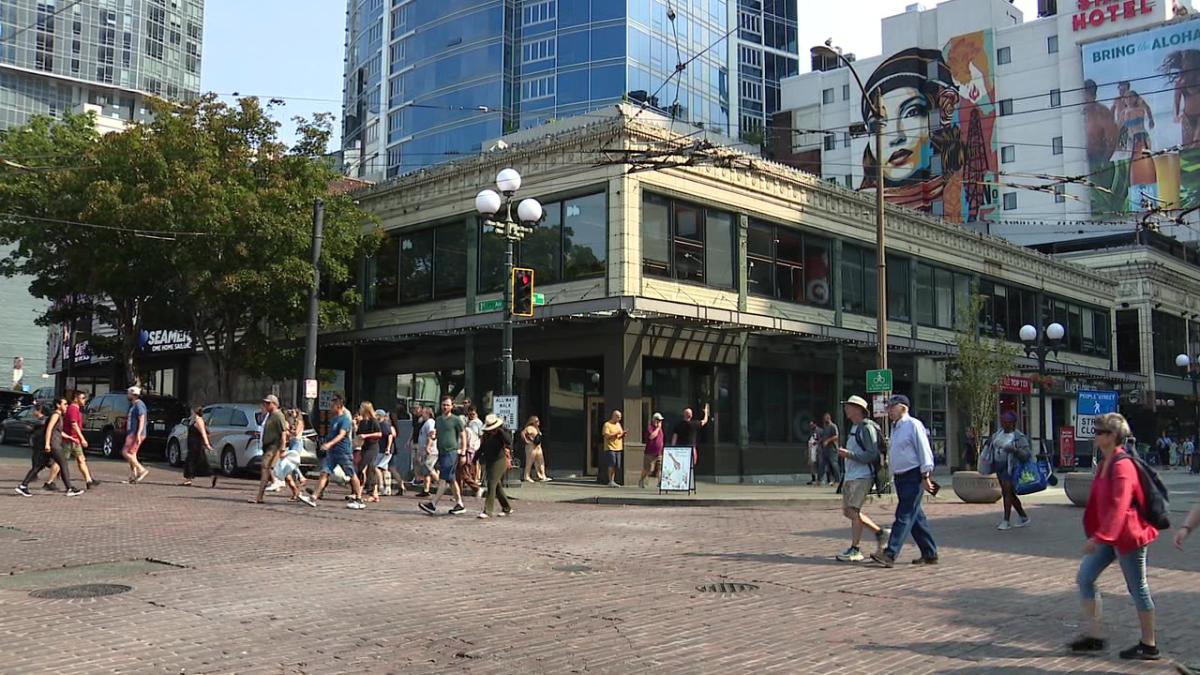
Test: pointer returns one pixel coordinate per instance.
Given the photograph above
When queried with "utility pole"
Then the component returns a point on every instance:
(314, 311)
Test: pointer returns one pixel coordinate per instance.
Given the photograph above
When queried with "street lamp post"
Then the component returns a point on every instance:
(878, 117)
(1040, 344)
(489, 204)
(1192, 372)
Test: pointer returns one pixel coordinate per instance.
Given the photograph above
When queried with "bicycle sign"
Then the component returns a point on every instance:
(879, 380)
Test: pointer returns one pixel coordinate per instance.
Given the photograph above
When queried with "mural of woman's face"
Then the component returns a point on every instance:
(906, 134)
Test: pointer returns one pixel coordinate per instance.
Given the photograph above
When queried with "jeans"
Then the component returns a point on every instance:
(495, 485)
(42, 459)
(910, 517)
(1133, 567)
(830, 469)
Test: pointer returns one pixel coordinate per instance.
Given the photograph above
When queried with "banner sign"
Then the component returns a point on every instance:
(164, 341)
(676, 474)
(1066, 446)
(1011, 384)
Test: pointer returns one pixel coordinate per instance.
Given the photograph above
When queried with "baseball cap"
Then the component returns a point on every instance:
(271, 398)
(657, 416)
(134, 391)
(899, 399)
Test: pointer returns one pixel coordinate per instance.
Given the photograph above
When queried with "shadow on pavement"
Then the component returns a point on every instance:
(783, 558)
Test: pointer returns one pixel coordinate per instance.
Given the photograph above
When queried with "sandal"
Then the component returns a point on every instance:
(371, 500)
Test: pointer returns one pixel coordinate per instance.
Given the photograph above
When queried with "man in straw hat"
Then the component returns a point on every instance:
(860, 453)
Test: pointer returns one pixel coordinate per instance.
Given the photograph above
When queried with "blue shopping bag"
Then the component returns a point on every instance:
(1032, 475)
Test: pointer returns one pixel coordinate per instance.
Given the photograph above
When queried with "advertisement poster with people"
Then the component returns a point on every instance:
(676, 473)
(1141, 114)
(939, 141)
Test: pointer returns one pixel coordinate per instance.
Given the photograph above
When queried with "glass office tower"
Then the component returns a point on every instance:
(430, 80)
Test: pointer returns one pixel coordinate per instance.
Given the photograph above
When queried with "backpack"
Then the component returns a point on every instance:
(879, 485)
(1155, 510)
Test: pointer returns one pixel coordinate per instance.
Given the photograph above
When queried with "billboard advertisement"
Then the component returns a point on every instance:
(939, 142)
(1141, 117)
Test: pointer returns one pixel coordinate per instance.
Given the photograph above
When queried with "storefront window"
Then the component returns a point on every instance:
(858, 280)
(931, 409)
(1170, 340)
(569, 243)
(585, 228)
(898, 289)
(385, 268)
(656, 235)
(718, 232)
(687, 242)
(767, 403)
(542, 249)
(925, 301)
(416, 266)
(449, 262)
(1129, 342)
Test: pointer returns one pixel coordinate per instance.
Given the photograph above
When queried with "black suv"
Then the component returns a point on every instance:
(104, 422)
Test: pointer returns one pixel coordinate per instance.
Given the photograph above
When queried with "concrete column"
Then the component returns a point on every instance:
(743, 225)
(743, 402)
(912, 298)
(624, 236)
(622, 387)
(471, 229)
(836, 262)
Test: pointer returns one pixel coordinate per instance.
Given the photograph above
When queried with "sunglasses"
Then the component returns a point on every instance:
(1103, 431)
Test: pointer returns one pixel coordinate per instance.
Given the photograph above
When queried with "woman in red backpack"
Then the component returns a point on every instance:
(1116, 530)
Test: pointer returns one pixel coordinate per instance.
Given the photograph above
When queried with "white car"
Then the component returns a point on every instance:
(235, 432)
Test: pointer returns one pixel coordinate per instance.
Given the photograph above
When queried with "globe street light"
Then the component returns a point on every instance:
(1191, 372)
(1040, 344)
(528, 213)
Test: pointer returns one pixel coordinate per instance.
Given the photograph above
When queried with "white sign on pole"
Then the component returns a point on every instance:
(310, 389)
(879, 405)
(505, 407)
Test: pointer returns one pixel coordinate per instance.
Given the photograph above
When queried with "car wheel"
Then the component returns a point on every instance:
(109, 447)
(229, 465)
(174, 456)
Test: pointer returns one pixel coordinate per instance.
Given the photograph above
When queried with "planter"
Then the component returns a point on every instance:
(1078, 485)
(973, 488)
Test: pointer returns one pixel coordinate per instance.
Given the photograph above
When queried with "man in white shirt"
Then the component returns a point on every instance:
(911, 461)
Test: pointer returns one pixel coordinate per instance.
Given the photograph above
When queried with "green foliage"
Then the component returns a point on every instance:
(198, 219)
(975, 373)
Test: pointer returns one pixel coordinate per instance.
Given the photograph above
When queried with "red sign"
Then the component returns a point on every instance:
(1096, 13)
(1011, 384)
(1066, 446)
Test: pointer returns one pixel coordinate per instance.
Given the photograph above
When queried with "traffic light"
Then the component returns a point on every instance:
(522, 287)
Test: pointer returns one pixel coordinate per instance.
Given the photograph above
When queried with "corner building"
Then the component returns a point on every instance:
(747, 285)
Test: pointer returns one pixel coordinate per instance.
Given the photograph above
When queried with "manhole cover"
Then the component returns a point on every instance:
(573, 569)
(81, 591)
(727, 587)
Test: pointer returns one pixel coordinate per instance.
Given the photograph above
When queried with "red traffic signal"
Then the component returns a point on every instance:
(522, 291)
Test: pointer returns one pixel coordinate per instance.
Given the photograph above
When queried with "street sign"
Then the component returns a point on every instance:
(310, 389)
(496, 305)
(878, 405)
(879, 380)
(1090, 404)
(505, 407)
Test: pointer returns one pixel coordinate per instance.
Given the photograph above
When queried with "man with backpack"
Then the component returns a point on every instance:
(860, 454)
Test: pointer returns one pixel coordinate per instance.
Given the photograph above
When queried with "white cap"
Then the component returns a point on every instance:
(134, 391)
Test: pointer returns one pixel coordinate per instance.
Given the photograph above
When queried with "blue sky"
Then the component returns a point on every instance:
(287, 48)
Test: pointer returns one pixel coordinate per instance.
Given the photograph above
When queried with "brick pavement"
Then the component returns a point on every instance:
(285, 589)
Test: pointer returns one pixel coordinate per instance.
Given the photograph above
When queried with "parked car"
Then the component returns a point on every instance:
(104, 422)
(19, 428)
(12, 401)
(235, 432)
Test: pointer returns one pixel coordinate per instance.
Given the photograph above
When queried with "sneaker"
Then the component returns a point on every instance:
(356, 505)
(925, 561)
(457, 509)
(141, 475)
(613, 483)
(1087, 644)
(1024, 522)
(506, 512)
(275, 486)
(427, 507)
(49, 487)
(882, 558)
(1004, 525)
(851, 554)
(1141, 652)
(422, 494)
(91, 484)
(482, 516)
(307, 499)
(881, 538)
(24, 491)
(74, 492)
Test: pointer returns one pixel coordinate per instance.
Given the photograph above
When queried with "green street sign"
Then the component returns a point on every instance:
(879, 380)
(496, 305)
(491, 305)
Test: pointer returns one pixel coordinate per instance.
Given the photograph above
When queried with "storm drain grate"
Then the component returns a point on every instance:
(727, 588)
(80, 591)
(572, 568)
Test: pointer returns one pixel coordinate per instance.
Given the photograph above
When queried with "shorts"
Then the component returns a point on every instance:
(854, 493)
(651, 464)
(384, 461)
(132, 445)
(616, 459)
(72, 450)
(335, 459)
(447, 464)
(428, 464)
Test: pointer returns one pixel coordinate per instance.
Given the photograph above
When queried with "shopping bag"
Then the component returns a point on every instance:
(1031, 476)
(987, 459)
(286, 465)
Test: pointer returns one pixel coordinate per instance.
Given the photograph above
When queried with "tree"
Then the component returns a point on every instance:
(200, 218)
(978, 367)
